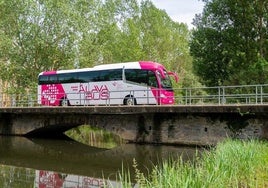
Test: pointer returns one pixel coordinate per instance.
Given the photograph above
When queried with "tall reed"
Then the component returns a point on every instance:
(232, 163)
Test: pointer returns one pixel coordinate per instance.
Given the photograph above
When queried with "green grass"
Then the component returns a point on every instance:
(232, 163)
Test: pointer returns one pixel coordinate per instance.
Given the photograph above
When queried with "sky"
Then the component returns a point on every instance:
(180, 10)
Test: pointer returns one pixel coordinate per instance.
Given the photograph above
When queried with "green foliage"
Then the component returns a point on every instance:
(94, 137)
(37, 35)
(229, 44)
(166, 41)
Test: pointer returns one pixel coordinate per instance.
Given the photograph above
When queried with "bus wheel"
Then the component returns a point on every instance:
(64, 102)
(130, 100)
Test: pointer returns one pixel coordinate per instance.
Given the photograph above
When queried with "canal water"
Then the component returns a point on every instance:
(66, 163)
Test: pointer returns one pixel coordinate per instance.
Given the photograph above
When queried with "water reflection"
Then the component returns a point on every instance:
(47, 160)
(45, 179)
(24, 177)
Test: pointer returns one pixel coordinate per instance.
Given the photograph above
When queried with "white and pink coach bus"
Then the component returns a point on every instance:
(130, 83)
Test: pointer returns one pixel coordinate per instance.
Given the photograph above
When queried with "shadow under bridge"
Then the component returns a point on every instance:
(52, 122)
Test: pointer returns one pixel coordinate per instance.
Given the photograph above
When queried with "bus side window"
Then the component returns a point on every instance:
(130, 75)
(68, 78)
(103, 76)
(143, 77)
(152, 81)
(94, 76)
(53, 79)
(136, 75)
(43, 79)
(115, 74)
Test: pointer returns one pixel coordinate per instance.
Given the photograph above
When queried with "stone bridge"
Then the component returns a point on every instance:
(177, 125)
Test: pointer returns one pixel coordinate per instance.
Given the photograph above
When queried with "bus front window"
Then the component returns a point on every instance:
(165, 82)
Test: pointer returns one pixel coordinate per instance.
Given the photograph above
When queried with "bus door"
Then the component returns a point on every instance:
(165, 91)
(160, 87)
(153, 88)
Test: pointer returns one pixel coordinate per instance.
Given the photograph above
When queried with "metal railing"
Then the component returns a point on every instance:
(223, 95)
(243, 94)
(18, 100)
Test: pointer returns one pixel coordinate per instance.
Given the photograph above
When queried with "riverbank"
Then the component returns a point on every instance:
(232, 163)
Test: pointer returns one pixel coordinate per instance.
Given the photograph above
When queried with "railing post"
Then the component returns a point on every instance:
(147, 94)
(108, 100)
(30, 101)
(261, 94)
(186, 96)
(190, 98)
(13, 100)
(223, 99)
(256, 93)
(219, 95)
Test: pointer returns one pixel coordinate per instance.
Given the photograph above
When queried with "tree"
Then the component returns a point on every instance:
(36, 37)
(166, 41)
(229, 44)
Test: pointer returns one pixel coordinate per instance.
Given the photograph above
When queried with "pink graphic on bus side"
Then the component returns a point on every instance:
(51, 94)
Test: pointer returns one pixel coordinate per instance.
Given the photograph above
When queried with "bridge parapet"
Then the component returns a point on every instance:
(140, 109)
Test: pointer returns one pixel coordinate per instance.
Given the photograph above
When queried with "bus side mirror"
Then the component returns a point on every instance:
(176, 77)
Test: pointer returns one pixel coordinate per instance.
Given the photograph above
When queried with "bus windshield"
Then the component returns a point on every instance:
(165, 81)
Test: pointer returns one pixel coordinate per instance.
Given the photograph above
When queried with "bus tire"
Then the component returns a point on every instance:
(129, 100)
(64, 102)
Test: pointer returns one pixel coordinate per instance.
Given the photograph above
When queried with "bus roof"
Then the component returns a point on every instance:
(147, 65)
